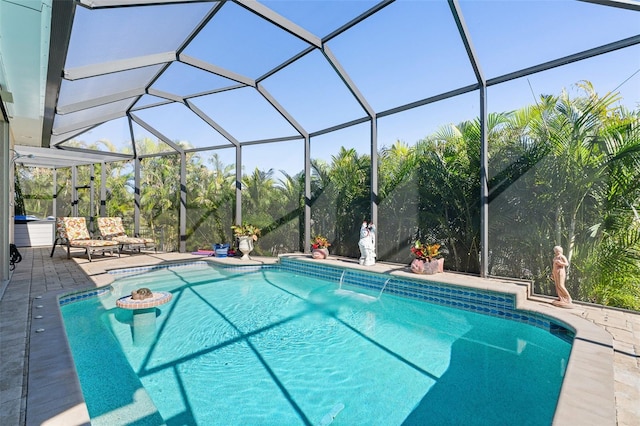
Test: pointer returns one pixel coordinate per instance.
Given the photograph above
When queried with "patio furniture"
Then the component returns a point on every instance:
(72, 232)
(112, 229)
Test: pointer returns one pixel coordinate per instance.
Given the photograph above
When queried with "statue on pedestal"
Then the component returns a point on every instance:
(367, 244)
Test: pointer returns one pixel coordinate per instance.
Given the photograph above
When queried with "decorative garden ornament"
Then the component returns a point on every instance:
(367, 244)
(245, 245)
(246, 235)
(141, 294)
(559, 276)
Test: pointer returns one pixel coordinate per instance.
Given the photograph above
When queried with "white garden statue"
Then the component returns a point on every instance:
(367, 244)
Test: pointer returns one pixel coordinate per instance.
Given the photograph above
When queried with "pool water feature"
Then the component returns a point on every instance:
(269, 345)
(383, 287)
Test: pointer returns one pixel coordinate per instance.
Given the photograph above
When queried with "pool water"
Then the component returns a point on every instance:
(273, 347)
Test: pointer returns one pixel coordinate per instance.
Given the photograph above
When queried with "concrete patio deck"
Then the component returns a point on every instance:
(38, 384)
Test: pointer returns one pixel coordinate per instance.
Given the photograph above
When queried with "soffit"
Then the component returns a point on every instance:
(31, 156)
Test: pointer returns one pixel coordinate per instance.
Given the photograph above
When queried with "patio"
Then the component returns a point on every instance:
(37, 367)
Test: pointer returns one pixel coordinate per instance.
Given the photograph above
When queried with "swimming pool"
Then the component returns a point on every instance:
(278, 345)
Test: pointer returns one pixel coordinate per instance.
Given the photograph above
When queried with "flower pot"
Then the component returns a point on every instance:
(245, 245)
(435, 266)
(320, 253)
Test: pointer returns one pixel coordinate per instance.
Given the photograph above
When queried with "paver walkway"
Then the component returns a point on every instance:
(39, 274)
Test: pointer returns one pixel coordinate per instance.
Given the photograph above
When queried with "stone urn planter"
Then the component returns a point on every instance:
(320, 253)
(246, 235)
(427, 267)
(245, 245)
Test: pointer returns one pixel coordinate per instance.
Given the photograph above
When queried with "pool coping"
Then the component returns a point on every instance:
(586, 397)
(52, 370)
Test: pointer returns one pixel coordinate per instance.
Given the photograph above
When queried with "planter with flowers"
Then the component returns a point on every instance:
(320, 247)
(246, 235)
(428, 258)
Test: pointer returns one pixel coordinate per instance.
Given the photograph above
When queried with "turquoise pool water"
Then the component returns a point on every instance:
(275, 347)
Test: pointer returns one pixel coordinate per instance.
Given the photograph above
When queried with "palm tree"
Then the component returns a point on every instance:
(323, 216)
(576, 167)
(514, 156)
(257, 196)
(398, 206)
(350, 182)
(212, 192)
(290, 220)
(612, 263)
(449, 187)
(159, 193)
(566, 175)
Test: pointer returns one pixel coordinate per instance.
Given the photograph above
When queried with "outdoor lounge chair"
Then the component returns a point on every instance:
(112, 229)
(73, 232)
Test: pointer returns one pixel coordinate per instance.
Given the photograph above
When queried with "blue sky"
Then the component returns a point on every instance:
(408, 51)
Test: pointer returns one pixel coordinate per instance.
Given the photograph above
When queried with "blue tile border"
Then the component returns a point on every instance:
(246, 268)
(83, 295)
(143, 269)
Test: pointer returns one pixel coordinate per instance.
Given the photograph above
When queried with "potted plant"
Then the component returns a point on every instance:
(320, 247)
(428, 259)
(246, 235)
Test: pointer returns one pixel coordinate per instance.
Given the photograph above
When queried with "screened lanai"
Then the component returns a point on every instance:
(487, 127)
